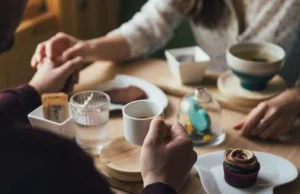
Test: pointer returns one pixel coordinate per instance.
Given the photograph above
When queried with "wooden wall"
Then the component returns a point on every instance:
(15, 64)
(86, 18)
(82, 18)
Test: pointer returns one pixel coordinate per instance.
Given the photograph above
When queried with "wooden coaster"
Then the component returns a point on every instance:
(122, 160)
(229, 86)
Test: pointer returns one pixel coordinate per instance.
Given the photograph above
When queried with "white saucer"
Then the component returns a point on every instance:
(154, 93)
(274, 171)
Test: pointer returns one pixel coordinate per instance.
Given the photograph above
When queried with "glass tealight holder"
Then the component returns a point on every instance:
(200, 114)
(90, 113)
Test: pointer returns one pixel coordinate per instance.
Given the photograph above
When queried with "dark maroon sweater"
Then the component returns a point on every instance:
(34, 161)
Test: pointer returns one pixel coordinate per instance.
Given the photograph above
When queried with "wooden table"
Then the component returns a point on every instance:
(102, 71)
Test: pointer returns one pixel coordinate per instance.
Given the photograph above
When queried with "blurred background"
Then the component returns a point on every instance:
(84, 19)
(42, 19)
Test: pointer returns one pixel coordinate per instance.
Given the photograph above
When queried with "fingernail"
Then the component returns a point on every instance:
(238, 126)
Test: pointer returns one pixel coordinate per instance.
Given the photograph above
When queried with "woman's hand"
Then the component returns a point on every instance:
(49, 78)
(60, 48)
(272, 118)
(63, 47)
(167, 154)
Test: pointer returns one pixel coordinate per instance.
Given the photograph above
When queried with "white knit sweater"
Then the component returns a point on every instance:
(269, 20)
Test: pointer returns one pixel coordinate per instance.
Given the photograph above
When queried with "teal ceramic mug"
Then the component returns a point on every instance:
(255, 63)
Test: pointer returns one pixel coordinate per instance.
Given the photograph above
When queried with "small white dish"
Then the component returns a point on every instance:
(154, 93)
(274, 171)
(187, 71)
(37, 120)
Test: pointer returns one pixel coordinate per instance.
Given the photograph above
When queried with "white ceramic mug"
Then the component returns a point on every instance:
(137, 117)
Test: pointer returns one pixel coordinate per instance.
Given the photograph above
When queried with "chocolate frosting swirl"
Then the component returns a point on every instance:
(244, 159)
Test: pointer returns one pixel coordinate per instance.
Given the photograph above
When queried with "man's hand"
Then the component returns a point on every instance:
(50, 78)
(167, 155)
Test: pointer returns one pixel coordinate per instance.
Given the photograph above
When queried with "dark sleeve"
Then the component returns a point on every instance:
(15, 104)
(34, 161)
(158, 188)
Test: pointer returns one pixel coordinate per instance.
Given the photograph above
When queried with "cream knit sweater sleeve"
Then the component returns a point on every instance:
(151, 28)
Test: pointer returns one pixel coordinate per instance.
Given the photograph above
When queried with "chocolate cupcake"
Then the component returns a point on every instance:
(240, 168)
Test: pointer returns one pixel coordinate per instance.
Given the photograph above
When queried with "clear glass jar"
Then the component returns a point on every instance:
(200, 113)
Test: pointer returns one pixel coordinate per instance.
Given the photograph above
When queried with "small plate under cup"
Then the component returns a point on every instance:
(230, 87)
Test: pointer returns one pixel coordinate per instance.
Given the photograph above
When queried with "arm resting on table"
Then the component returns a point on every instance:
(34, 161)
(16, 104)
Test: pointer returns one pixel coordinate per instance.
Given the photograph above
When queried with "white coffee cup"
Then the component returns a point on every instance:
(137, 117)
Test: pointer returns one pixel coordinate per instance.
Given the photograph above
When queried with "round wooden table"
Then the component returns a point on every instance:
(156, 71)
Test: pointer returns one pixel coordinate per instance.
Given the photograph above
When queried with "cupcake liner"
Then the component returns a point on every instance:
(240, 180)
(239, 170)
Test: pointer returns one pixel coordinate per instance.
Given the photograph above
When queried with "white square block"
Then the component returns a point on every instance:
(66, 128)
(188, 71)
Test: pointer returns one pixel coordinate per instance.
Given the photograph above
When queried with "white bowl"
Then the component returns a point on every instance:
(37, 120)
(254, 75)
(188, 71)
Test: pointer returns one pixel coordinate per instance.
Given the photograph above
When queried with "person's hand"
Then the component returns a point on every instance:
(273, 118)
(50, 78)
(167, 154)
(60, 48)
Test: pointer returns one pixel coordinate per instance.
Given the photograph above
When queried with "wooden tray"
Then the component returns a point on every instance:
(192, 184)
(103, 71)
(158, 73)
(230, 87)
